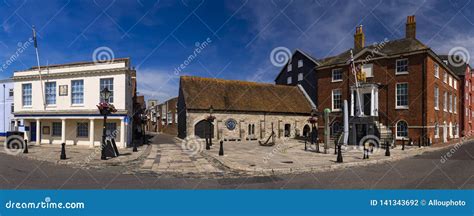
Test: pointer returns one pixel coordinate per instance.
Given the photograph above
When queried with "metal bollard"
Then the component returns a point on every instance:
(63, 151)
(25, 151)
(305, 143)
(221, 149)
(419, 143)
(387, 149)
(339, 154)
(208, 147)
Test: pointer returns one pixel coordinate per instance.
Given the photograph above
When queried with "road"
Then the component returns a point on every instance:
(426, 171)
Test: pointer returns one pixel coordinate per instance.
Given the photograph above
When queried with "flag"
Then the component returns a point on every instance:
(34, 37)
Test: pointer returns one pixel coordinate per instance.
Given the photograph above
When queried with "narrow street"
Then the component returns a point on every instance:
(425, 171)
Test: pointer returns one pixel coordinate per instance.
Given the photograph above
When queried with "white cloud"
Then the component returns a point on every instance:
(157, 84)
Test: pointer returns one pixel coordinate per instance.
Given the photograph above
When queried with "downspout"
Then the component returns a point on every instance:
(423, 103)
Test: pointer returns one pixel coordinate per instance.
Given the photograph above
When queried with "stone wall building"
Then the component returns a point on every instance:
(242, 110)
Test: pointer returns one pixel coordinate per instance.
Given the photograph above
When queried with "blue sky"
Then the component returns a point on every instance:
(159, 36)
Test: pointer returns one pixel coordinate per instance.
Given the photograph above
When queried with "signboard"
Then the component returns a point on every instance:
(230, 124)
(63, 90)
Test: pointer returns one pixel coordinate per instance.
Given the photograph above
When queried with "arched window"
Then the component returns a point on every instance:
(336, 127)
(402, 129)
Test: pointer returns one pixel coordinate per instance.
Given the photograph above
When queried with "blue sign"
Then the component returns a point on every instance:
(230, 124)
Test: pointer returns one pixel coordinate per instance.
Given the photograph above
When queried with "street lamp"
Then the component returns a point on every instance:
(210, 119)
(105, 109)
(313, 120)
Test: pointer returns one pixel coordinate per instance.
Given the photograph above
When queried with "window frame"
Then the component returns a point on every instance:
(24, 96)
(300, 76)
(78, 130)
(396, 66)
(341, 75)
(48, 93)
(75, 93)
(300, 63)
(333, 102)
(289, 80)
(111, 98)
(397, 130)
(436, 98)
(436, 70)
(396, 96)
(53, 124)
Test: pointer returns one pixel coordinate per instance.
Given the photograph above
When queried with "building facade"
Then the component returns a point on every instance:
(299, 70)
(242, 110)
(6, 116)
(60, 106)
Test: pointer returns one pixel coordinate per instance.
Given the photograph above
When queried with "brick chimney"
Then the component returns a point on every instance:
(410, 31)
(359, 38)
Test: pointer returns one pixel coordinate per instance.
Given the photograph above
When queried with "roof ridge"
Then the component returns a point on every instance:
(234, 81)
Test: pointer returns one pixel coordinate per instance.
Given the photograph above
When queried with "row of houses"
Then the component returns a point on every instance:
(58, 103)
(404, 91)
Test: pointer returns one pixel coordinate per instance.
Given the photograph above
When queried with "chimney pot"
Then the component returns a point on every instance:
(359, 38)
(410, 31)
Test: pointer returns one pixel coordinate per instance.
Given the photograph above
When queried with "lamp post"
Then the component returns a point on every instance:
(105, 109)
(210, 119)
(312, 120)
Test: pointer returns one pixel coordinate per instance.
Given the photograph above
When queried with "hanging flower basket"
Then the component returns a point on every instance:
(313, 120)
(106, 108)
(210, 118)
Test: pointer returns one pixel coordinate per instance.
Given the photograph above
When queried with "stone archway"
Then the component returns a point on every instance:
(201, 129)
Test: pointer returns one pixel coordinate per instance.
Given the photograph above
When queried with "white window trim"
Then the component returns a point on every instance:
(401, 72)
(396, 131)
(332, 75)
(436, 131)
(332, 101)
(396, 100)
(437, 101)
(436, 70)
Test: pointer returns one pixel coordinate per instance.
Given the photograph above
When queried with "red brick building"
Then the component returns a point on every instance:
(406, 90)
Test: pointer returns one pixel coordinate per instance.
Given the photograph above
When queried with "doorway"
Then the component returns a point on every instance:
(367, 104)
(201, 129)
(33, 131)
(287, 130)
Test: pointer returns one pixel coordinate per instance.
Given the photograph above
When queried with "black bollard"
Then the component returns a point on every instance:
(339, 154)
(419, 143)
(305, 143)
(221, 149)
(367, 154)
(135, 147)
(403, 144)
(25, 151)
(63, 151)
(208, 147)
(387, 149)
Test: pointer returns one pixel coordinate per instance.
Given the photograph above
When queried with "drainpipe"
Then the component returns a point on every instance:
(423, 101)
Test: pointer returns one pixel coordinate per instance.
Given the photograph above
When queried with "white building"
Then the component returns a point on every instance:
(6, 113)
(67, 111)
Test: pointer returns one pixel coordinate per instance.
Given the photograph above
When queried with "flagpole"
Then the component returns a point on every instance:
(39, 67)
(356, 83)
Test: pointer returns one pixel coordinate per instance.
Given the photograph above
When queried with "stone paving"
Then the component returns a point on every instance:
(79, 156)
(170, 158)
(290, 157)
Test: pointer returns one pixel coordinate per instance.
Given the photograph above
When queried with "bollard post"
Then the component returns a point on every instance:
(419, 143)
(387, 149)
(207, 144)
(135, 147)
(364, 150)
(221, 149)
(25, 151)
(305, 143)
(63, 151)
(339, 154)
(403, 144)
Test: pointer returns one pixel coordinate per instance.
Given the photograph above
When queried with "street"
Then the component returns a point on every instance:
(431, 170)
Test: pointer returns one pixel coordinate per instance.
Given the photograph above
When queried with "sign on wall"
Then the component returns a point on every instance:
(230, 124)
(63, 90)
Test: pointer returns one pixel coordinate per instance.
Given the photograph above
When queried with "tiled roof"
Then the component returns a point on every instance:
(400, 46)
(232, 95)
(459, 70)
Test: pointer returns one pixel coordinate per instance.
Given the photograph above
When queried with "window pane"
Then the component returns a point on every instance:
(82, 129)
(402, 94)
(50, 93)
(26, 92)
(109, 83)
(57, 128)
(77, 91)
